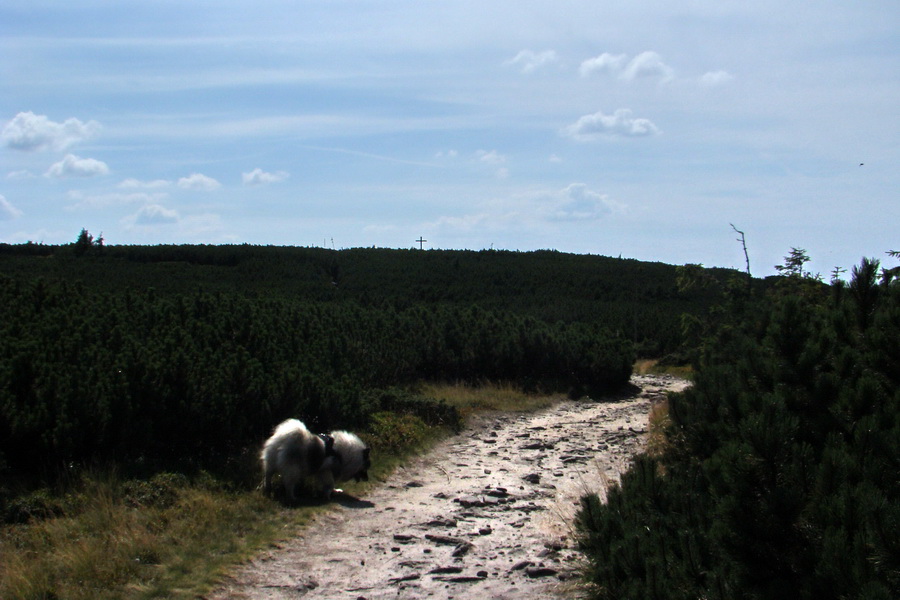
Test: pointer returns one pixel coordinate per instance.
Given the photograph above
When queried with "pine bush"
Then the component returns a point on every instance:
(780, 479)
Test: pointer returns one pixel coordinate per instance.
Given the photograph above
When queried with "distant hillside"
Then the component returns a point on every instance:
(639, 300)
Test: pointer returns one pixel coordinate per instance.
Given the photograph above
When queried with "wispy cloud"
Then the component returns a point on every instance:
(490, 157)
(619, 124)
(260, 177)
(605, 63)
(30, 132)
(75, 166)
(645, 65)
(716, 78)
(154, 214)
(132, 184)
(199, 182)
(20, 175)
(8, 212)
(95, 201)
(495, 160)
(529, 61)
(577, 202)
(648, 65)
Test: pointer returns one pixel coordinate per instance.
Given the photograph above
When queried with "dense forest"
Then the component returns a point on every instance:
(780, 476)
(158, 355)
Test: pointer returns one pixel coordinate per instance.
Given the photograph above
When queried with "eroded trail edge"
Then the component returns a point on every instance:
(486, 514)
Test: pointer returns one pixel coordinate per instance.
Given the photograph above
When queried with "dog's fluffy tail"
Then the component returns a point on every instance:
(287, 439)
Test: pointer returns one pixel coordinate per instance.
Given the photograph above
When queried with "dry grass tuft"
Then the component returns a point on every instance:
(658, 442)
(651, 366)
(469, 400)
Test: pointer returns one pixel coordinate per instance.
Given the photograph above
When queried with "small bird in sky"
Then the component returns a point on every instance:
(861, 164)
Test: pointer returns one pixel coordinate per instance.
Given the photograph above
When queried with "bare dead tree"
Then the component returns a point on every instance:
(743, 241)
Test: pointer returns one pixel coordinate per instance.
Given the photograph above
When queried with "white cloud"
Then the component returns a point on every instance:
(30, 132)
(716, 78)
(529, 61)
(8, 212)
(648, 64)
(154, 214)
(130, 184)
(199, 182)
(620, 123)
(260, 177)
(576, 202)
(605, 63)
(74, 166)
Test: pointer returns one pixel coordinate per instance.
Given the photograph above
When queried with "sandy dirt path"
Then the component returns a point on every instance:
(485, 515)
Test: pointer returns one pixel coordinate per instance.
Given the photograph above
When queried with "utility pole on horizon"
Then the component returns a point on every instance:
(420, 242)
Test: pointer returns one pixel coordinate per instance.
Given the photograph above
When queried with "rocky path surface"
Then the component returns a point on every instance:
(487, 514)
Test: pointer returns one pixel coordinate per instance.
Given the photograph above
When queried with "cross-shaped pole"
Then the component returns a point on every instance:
(421, 241)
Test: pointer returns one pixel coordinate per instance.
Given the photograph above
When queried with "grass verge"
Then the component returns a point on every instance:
(162, 538)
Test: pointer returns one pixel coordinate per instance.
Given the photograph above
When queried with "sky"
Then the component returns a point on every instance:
(641, 129)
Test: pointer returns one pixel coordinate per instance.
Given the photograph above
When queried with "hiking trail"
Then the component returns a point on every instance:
(486, 514)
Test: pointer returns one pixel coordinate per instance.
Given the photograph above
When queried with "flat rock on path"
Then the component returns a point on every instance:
(485, 515)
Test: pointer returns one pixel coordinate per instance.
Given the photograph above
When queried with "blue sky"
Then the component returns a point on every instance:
(640, 129)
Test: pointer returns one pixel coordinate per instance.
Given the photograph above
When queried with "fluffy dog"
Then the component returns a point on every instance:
(296, 453)
(350, 461)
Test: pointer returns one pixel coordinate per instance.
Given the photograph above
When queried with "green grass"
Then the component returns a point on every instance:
(171, 537)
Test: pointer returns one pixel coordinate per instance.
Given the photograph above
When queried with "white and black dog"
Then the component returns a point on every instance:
(296, 453)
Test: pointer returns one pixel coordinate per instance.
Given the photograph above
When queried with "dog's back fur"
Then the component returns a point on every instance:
(295, 453)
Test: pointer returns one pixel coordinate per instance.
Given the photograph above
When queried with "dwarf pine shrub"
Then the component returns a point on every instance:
(780, 476)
